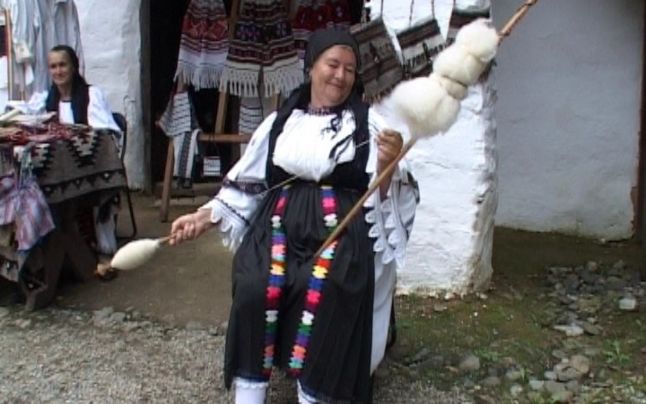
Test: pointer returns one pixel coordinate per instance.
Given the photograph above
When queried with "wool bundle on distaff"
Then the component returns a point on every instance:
(429, 105)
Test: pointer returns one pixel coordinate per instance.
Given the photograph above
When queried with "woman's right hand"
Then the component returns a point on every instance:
(190, 227)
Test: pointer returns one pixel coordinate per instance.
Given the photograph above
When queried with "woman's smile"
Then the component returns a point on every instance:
(333, 76)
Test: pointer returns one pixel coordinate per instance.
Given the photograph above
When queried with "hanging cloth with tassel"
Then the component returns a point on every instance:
(262, 56)
(420, 43)
(203, 44)
(380, 68)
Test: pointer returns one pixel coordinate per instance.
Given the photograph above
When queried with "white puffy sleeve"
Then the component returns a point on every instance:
(99, 114)
(242, 188)
(391, 218)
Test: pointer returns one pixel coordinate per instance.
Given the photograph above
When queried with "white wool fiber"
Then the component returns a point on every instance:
(135, 254)
(424, 105)
(458, 65)
(480, 39)
(455, 89)
(431, 104)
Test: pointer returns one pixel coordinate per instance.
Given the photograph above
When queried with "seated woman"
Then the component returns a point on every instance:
(72, 97)
(323, 320)
(77, 102)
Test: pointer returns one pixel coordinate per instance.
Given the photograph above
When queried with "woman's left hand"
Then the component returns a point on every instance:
(389, 144)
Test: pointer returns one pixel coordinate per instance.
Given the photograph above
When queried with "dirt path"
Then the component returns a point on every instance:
(188, 283)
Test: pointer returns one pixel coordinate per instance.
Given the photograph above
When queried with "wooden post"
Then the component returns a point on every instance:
(9, 41)
(168, 182)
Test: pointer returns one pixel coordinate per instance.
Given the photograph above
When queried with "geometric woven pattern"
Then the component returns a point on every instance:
(85, 163)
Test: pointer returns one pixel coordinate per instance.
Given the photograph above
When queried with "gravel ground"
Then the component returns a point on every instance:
(59, 356)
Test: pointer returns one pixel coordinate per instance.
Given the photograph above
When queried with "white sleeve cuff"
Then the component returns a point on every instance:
(232, 209)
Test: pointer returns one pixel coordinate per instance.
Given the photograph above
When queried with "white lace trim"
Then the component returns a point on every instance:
(232, 227)
(242, 383)
(386, 226)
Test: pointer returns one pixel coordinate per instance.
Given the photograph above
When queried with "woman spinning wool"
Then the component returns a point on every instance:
(323, 320)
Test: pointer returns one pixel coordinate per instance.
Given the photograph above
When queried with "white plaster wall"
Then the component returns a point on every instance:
(451, 243)
(110, 32)
(568, 116)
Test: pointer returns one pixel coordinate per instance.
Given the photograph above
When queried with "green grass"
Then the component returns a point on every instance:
(494, 330)
(514, 324)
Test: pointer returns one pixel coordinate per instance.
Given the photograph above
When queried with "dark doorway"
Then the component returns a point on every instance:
(163, 37)
(166, 17)
(165, 29)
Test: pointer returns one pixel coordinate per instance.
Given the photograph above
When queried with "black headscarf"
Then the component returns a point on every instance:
(80, 89)
(300, 98)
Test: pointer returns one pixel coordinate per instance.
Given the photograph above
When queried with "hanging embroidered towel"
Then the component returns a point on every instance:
(262, 56)
(420, 43)
(303, 24)
(178, 122)
(185, 148)
(380, 68)
(203, 44)
(178, 115)
(317, 14)
(251, 114)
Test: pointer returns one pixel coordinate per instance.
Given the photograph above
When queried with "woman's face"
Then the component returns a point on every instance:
(333, 75)
(60, 67)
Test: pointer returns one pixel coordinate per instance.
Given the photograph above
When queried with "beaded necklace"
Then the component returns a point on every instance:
(277, 280)
(322, 111)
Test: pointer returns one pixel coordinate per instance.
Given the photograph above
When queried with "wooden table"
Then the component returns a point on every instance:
(85, 168)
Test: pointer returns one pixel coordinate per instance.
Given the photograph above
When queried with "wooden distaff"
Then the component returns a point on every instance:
(515, 19)
(506, 30)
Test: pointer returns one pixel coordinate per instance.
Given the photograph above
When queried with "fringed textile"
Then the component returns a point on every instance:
(203, 45)
(312, 15)
(420, 43)
(380, 68)
(262, 57)
(251, 114)
(178, 122)
(178, 115)
(185, 148)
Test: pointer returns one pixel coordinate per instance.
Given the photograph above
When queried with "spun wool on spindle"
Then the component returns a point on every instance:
(135, 254)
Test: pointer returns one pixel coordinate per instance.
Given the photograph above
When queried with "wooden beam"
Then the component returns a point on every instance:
(233, 138)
